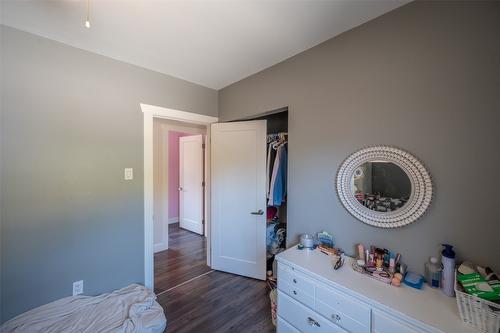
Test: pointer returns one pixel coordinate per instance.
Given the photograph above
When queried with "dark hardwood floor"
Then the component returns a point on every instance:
(216, 302)
(185, 259)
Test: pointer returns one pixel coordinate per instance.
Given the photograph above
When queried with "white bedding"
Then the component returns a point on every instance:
(131, 309)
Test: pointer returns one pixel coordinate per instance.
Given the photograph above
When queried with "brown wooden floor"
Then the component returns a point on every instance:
(217, 303)
(185, 259)
(213, 303)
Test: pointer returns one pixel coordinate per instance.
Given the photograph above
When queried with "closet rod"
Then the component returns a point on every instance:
(272, 135)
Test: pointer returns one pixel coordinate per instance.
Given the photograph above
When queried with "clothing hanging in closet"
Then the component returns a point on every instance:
(271, 155)
(277, 170)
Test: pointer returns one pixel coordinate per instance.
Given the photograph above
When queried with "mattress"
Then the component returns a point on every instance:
(131, 309)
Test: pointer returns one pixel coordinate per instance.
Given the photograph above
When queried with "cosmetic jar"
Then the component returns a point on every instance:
(307, 240)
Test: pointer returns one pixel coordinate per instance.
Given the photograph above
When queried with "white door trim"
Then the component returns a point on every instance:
(150, 112)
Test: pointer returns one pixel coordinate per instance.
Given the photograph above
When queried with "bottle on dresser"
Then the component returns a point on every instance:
(433, 273)
(448, 273)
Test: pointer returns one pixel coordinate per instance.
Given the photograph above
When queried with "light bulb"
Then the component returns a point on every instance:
(87, 24)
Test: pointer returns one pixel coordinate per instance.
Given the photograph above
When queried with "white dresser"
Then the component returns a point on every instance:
(312, 297)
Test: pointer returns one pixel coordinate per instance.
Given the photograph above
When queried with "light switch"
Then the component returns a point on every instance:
(129, 173)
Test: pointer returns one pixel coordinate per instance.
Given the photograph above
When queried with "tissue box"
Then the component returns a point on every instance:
(475, 284)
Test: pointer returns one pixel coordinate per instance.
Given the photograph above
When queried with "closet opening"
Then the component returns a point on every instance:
(276, 183)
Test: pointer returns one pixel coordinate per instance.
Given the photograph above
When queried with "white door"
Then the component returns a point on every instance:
(238, 201)
(191, 183)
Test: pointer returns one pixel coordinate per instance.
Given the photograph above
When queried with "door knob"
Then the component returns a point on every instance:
(259, 212)
(335, 317)
(180, 189)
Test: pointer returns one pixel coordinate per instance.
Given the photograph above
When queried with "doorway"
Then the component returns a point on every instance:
(153, 116)
(191, 187)
(249, 194)
(179, 208)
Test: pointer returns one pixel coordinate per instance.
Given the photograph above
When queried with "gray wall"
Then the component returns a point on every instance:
(1, 163)
(425, 77)
(71, 124)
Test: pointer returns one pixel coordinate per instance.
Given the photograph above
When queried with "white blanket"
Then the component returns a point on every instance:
(131, 309)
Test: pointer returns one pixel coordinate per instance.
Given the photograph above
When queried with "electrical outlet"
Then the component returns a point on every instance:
(129, 174)
(77, 287)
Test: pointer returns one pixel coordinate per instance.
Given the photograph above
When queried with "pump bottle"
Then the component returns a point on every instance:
(448, 266)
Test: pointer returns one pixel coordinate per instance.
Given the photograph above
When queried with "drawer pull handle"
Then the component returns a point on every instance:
(312, 322)
(295, 292)
(294, 281)
(335, 317)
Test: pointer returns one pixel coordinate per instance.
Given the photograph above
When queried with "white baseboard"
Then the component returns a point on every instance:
(160, 247)
(173, 220)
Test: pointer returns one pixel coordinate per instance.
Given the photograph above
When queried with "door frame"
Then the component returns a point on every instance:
(150, 112)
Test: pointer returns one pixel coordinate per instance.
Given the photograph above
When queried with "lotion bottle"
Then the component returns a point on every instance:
(448, 273)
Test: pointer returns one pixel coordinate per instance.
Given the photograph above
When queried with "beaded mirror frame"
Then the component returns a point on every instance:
(420, 179)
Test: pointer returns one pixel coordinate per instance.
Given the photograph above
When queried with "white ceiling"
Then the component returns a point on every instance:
(212, 43)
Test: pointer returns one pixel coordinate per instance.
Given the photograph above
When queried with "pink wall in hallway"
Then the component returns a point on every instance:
(173, 172)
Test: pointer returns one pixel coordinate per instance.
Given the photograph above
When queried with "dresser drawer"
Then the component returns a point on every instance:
(296, 293)
(284, 327)
(383, 324)
(341, 319)
(343, 305)
(296, 279)
(303, 318)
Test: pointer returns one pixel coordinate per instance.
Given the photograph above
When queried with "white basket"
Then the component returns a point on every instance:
(477, 312)
(273, 295)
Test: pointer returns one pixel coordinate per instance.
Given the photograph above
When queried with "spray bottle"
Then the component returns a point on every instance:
(448, 274)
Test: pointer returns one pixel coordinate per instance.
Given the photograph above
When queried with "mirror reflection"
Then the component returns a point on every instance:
(381, 186)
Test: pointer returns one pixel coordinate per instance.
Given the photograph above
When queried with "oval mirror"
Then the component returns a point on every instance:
(384, 186)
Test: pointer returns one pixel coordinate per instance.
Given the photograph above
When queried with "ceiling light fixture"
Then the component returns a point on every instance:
(87, 21)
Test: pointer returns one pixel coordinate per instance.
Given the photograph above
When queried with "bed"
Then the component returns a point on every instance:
(131, 309)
